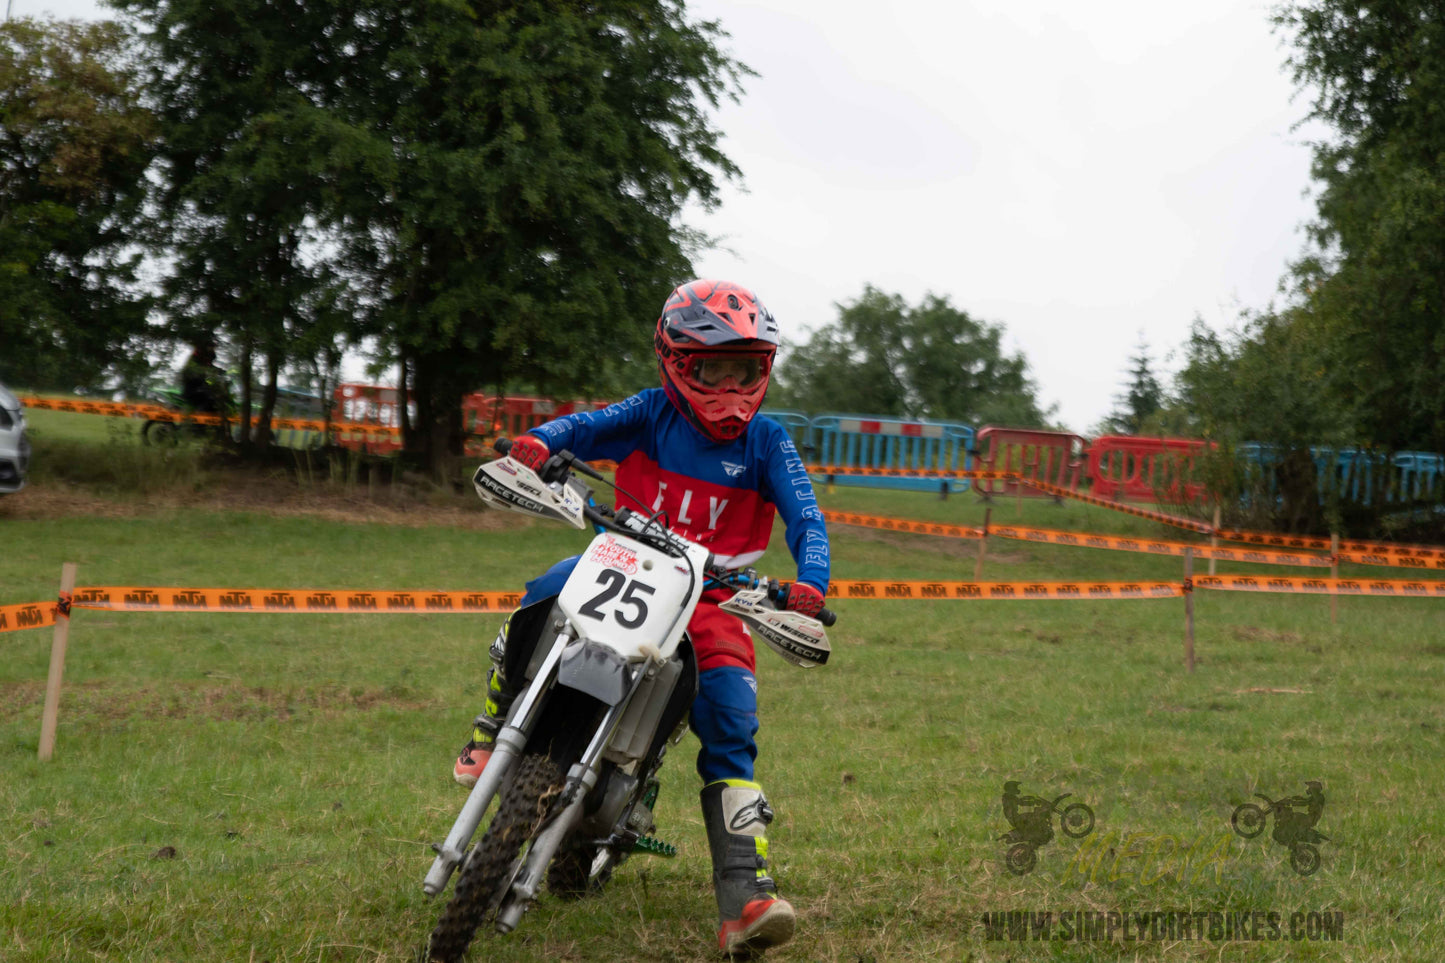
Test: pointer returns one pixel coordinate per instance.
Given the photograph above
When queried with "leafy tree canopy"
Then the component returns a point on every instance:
(75, 143)
(883, 356)
(1373, 290)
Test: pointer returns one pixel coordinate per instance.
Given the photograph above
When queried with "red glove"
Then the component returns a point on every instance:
(529, 450)
(803, 598)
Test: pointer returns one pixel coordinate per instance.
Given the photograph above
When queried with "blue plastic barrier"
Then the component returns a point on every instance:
(1352, 472)
(862, 441)
(795, 424)
(1421, 473)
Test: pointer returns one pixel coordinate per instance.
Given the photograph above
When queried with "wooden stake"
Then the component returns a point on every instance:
(57, 667)
(982, 547)
(1334, 574)
(1214, 539)
(1188, 610)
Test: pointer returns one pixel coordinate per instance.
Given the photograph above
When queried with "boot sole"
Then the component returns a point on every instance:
(774, 928)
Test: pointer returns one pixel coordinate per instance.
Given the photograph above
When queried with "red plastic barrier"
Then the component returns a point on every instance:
(482, 414)
(370, 405)
(1056, 457)
(1123, 467)
(511, 415)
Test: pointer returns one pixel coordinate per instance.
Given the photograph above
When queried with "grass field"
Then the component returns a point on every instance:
(265, 787)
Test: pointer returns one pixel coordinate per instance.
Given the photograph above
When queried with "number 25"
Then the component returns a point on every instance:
(612, 582)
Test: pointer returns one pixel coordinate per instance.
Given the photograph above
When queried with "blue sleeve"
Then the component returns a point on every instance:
(612, 433)
(787, 486)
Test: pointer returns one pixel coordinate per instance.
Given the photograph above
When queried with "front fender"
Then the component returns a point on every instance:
(596, 670)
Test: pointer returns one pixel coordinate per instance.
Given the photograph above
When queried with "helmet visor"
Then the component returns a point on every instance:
(720, 372)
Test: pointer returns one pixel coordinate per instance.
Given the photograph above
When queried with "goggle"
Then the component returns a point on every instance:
(715, 370)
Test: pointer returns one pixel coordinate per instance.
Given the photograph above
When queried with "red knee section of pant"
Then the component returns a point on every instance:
(719, 639)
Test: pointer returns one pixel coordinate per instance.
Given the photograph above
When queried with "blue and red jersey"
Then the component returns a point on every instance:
(722, 495)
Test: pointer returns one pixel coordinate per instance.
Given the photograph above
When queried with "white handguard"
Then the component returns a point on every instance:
(797, 638)
(505, 483)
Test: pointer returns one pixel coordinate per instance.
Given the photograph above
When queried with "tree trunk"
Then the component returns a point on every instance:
(438, 432)
(263, 432)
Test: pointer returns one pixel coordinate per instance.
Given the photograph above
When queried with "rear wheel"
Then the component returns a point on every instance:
(580, 872)
(526, 803)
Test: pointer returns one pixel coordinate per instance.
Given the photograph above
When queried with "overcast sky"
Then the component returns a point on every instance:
(1079, 173)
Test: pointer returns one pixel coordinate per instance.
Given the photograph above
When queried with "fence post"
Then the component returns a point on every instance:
(1214, 538)
(1334, 574)
(982, 547)
(1189, 609)
(49, 718)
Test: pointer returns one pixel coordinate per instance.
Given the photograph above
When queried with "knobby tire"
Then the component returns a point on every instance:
(525, 805)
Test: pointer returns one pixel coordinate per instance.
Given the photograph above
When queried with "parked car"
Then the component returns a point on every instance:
(14, 446)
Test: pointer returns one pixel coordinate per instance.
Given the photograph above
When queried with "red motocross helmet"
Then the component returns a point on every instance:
(715, 345)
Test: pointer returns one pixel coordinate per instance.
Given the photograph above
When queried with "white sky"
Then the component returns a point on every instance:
(1079, 173)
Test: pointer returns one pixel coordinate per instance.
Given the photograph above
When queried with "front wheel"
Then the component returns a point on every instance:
(526, 802)
(162, 434)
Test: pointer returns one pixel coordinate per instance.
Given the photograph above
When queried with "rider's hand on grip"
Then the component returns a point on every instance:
(805, 599)
(529, 450)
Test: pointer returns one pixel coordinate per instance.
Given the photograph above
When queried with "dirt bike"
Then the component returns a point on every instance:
(1249, 820)
(609, 678)
(186, 422)
(1075, 819)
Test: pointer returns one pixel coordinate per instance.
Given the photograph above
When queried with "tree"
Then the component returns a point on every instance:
(254, 162)
(1142, 399)
(539, 156)
(75, 144)
(931, 361)
(1374, 288)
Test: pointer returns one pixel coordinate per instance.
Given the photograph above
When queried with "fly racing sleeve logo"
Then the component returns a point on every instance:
(732, 469)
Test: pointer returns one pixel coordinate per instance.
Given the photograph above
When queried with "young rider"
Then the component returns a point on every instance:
(694, 450)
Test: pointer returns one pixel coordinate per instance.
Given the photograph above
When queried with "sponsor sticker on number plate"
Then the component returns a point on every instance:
(610, 553)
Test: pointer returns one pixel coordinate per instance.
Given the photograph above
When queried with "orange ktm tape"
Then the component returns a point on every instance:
(27, 615)
(1395, 588)
(902, 525)
(1396, 561)
(1080, 539)
(1175, 520)
(909, 472)
(1018, 591)
(1154, 546)
(151, 599)
(159, 413)
(1353, 548)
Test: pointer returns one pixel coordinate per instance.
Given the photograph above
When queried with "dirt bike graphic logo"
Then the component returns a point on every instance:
(1032, 819)
(1294, 822)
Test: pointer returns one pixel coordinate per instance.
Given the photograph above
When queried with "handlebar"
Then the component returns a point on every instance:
(556, 469)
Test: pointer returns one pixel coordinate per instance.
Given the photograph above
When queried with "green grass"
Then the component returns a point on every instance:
(264, 787)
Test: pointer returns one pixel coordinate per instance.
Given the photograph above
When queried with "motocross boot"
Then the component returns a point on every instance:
(478, 750)
(751, 917)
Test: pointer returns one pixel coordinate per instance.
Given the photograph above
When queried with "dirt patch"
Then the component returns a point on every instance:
(932, 544)
(1252, 633)
(195, 700)
(404, 505)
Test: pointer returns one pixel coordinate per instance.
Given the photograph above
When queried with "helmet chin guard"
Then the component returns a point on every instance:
(715, 345)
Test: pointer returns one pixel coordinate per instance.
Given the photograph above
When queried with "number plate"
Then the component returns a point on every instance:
(629, 596)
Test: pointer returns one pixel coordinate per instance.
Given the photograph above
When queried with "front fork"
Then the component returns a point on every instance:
(581, 779)
(508, 746)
